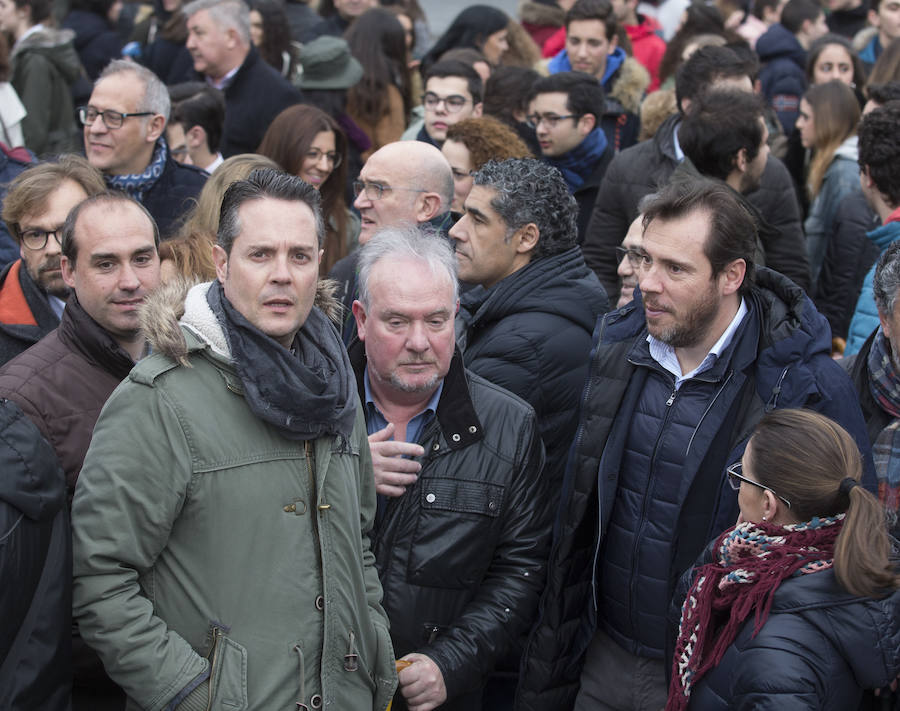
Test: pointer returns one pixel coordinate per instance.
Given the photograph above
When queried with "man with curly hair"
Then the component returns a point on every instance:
(528, 328)
(566, 111)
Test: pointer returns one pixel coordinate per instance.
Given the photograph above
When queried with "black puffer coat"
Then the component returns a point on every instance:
(531, 334)
(647, 167)
(36, 570)
(462, 554)
(820, 648)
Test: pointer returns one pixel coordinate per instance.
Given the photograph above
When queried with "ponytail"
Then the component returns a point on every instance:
(862, 551)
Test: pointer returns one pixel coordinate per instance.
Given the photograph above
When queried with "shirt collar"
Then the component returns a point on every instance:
(430, 406)
(224, 81)
(664, 354)
(679, 154)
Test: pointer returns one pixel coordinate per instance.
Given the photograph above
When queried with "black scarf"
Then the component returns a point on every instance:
(305, 392)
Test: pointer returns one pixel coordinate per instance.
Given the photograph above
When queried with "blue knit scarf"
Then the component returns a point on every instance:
(136, 185)
(577, 165)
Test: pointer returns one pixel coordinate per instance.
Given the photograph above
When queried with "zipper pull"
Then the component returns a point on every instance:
(671, 398)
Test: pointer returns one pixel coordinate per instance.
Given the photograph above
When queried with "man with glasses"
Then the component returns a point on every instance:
(32, 291)
(124, 122)
(677, 381)
(402, 183)
(565, 110)
(110, 261)
(453, 92)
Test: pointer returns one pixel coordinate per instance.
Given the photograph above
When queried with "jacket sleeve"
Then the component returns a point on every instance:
(504, 608)
(130, 492)
(847, 259)
(608, 224)
(33, 87)
(777, 202)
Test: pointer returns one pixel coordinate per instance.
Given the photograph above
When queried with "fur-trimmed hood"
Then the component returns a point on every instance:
(630, 84)
(537, 13)
(180, 305)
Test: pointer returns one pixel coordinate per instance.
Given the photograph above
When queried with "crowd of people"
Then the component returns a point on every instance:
(548, 362)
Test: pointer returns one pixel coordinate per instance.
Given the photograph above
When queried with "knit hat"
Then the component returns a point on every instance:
(328, 64)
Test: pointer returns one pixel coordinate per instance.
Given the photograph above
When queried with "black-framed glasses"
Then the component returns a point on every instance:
(535, 120)
(634, 256)
(375, 191)
(453, 103)
(735, 477)
(315, 155)
(37, 238)
(111, 119)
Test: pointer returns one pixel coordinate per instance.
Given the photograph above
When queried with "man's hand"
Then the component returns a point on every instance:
(422, 683)
(393, 473)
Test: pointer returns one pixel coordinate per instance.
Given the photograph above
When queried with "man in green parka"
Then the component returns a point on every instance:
(222, 556)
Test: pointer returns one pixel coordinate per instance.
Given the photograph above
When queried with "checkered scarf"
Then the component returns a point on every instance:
(884, 384)
(752, 560)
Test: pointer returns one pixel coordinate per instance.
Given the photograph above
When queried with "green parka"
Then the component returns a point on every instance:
(205, 540)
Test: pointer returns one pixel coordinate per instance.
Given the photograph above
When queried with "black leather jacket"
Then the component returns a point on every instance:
(462, 554)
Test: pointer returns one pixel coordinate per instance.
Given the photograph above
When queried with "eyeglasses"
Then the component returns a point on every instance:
(634, 257)
(375, 191)
(37, 238)
(111, 119)
(535, 120)
(315, 155)
(735, 478)
(453, 103)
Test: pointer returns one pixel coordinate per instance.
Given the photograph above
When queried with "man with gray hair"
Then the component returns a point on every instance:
(463, 525)
(528, 328)
(221, 539)
(255, 93)
(124, 138)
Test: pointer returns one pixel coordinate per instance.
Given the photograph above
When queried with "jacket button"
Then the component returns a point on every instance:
(316, 701)
(430, 498)
(473, 429)
(456, 438)
(491, 506)
(320, 602)
(290, 508)
(436, 447)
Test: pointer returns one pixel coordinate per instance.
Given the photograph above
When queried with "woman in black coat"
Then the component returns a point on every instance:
(799, 606)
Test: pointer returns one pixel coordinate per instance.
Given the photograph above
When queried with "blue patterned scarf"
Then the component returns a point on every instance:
(577, 165)
(884, 385)
(136, 185)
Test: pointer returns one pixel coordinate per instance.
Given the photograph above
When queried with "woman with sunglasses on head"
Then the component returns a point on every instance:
(796, 606)
(306, 142)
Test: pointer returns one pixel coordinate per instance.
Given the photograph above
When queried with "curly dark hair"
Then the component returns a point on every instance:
(529, 190)
(276, 32)
(879, 149)
(488, 138)
(378, 41)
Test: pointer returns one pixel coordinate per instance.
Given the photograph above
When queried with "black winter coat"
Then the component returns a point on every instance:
(531, 334)
(848, 259)
(646, 167)
(96, 41)
(820, 648)
(173, 195)
(781, 359)
(36, 570)
(256, 95)
(462, 554)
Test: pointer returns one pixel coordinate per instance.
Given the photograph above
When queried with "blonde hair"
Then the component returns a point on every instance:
(835, 116)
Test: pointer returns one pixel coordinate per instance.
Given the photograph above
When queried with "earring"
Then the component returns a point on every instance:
(764, 518)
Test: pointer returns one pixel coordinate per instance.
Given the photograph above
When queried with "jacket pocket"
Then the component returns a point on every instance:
(228, 675)
(377, 665)
(456, 532)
